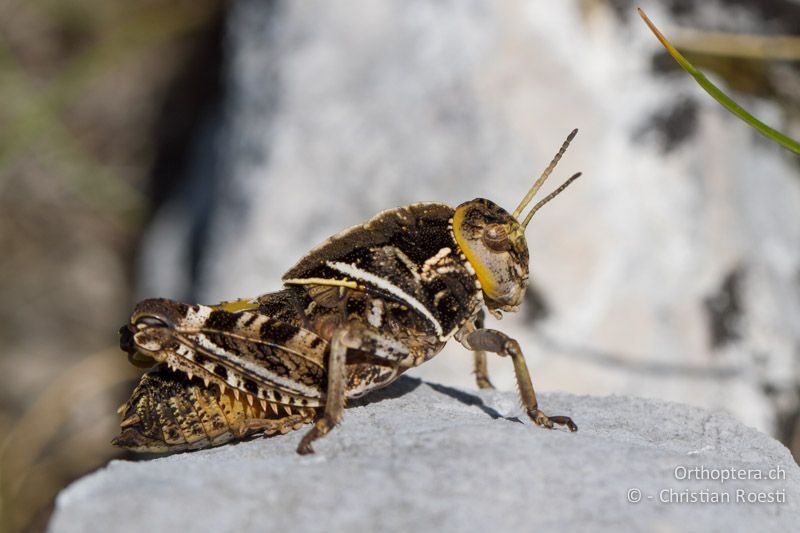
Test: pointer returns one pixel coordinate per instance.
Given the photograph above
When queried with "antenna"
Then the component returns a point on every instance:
(538, 183)
(549, 197)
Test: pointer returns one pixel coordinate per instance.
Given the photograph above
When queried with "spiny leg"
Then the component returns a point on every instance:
(335, 395)
(497, 342)
(481, 370)
(269, 426)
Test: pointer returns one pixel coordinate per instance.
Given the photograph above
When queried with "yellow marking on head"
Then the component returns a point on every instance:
(485, 276)
(322, 281)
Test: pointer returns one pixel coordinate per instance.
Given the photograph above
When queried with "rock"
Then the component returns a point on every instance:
(669, 269)
(425, 457)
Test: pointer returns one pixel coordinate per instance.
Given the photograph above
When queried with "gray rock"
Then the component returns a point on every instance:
(424, 457)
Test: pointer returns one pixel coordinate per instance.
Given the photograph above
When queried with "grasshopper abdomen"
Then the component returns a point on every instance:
(168, 412)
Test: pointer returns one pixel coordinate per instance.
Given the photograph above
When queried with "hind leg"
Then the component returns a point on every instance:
(270, 426)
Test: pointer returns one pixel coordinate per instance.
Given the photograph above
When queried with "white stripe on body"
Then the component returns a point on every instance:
(263, 373)
(368, 277)
(197, 315)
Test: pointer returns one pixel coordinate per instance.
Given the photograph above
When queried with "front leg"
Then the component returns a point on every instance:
(481, 370)
(494, 341)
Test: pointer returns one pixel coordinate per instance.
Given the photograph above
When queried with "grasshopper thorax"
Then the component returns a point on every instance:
(494, 244)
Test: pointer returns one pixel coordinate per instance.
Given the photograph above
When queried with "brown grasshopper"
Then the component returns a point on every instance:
(355, 313)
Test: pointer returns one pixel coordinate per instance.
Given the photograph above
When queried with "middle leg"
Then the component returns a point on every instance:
(335, 394)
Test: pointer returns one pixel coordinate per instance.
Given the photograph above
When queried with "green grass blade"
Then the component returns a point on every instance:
(726, 101)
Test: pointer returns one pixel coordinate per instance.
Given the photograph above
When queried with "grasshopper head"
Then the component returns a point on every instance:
(149, 330)
(494, 244)
(493, 241)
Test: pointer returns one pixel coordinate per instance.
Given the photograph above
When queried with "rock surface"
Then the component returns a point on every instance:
(424, 457)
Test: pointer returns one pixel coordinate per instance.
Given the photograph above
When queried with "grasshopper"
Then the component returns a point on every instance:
(355, 313)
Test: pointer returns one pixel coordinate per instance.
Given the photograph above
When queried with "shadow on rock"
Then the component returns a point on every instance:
(470, 399)
(401, 387)
(405, 384)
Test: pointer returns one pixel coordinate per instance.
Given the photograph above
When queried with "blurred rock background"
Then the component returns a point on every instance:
(196, 149)
(98, 101)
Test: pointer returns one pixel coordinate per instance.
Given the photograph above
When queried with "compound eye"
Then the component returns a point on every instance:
(150, 322)
(495, 237)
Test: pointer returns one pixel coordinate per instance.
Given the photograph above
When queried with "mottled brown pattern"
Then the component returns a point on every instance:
(169, 412)
(357, 312)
